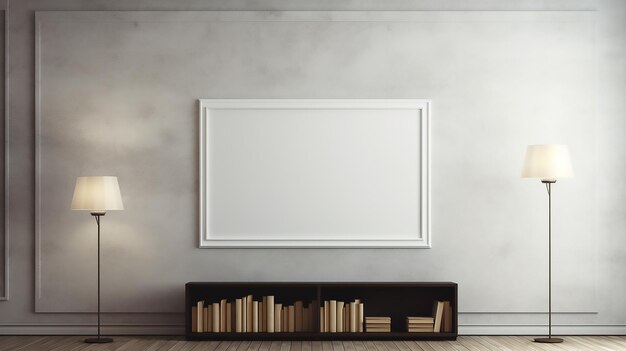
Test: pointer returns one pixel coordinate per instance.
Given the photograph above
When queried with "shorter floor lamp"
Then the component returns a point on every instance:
(97, 195)
(548, 163)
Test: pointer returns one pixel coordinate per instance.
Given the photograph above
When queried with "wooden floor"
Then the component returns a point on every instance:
(464, 343)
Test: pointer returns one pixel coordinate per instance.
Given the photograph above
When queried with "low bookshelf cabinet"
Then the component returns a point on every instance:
(395, 300)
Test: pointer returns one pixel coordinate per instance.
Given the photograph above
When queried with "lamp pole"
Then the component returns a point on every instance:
(98, 339)
(549, 339)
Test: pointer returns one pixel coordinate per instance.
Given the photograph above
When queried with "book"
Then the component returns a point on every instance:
(322, 319)
(420, 320)
(244, 314)
(378, 319)
(278, 310)
(200, 322)
(270, 320)
(222, 316)
(447, 317)
(262, 317)
(232, 328)
(292, 318)
(298, 315)
(360, 317)
(229, 317)
(250, 315)
(255, 316)
(305, 319)
(194, 319)
(333, 316)
(353, 328)
(208, 318)
(262, 314)
(215, 323)
(340, 321)
(238, 316)
(327, 316)
(437, 315)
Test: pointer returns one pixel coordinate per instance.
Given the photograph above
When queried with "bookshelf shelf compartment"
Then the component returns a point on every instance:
(396, 300)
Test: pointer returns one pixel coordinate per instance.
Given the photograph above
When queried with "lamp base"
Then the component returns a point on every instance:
(549, 340)
(98, 340)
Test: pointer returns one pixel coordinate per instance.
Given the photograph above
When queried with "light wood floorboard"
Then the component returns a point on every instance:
(463, 343)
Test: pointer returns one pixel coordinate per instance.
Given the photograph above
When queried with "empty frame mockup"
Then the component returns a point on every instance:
(314, 173)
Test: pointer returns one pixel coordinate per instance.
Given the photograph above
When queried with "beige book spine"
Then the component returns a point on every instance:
(360, 317)
(255, 316)
(216, 317)
(333, 316)
(321, 319)
(278, 310)
(305, 319)
(206, 321)
(223, 315)
(244, 314)
(234, 314)
(229, 317)
(262, 316)
(339, 321)
(238, 316)
(285, 319)
(194, 319)
(200, 306)
(250, 315)
(298, 315)
(353, 313)
(208, 318)
(346, 318)
(271, 327)
(292, 318)
(326, 316)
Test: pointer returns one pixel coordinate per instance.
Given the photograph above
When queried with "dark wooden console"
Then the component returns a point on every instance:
(397, 300)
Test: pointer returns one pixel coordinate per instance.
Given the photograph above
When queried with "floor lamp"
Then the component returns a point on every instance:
(97, 195)
(548, 163)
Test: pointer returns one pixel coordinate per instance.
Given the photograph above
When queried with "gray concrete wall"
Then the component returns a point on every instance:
(487, 223)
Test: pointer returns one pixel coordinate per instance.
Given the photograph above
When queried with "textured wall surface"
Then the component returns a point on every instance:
(124, 88)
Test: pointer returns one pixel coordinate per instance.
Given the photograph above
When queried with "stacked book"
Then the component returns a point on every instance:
(341, 317)
(247, 315)
(378, 324)
(420, 324)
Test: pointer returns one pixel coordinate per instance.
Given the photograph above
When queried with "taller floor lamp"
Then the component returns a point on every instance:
(548, 163)
(97, 195)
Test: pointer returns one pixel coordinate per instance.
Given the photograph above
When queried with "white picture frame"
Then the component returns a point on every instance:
(420, 108)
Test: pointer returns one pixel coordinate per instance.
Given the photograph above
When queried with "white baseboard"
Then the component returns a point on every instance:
(473, 329)
(530, 329)
(56, 329)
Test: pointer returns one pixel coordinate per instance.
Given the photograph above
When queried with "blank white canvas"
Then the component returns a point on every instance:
(308, 174)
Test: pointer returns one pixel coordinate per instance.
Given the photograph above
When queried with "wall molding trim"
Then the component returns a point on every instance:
(5, 286)
(176, 329)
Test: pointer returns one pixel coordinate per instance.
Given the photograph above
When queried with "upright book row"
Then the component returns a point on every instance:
(245, 315)
(341, 317)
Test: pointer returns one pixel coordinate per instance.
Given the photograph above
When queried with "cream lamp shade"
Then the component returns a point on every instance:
(547, 162)
(97, 194)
